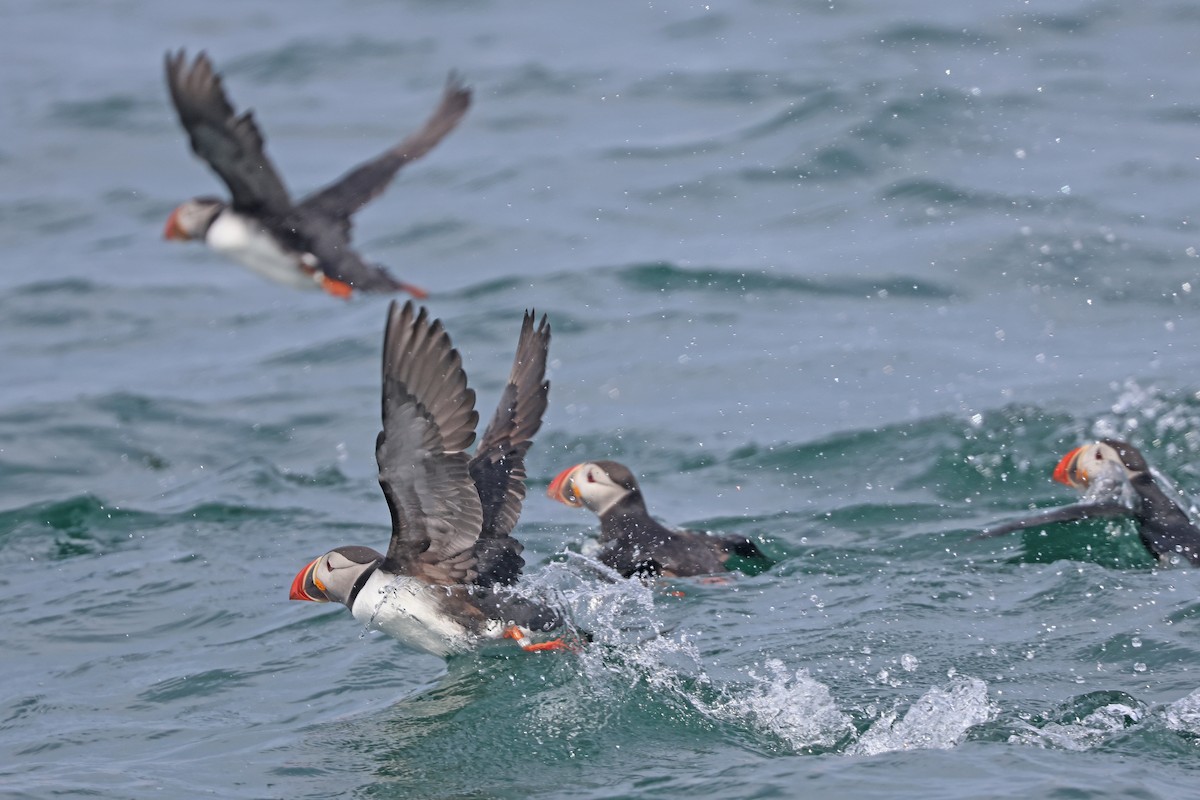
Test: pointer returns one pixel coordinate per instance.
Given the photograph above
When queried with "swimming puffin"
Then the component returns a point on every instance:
(633, 542)
(443, 584)
(305, 244)
(1117, 482)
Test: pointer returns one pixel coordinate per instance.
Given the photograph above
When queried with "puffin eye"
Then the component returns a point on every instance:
(590, 477)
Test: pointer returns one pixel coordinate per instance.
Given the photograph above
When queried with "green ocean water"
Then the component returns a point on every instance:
(847, 280)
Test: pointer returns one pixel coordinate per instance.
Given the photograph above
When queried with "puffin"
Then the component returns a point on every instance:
(444, 585)
(1116, 481)
(632, 542)
(303, 244)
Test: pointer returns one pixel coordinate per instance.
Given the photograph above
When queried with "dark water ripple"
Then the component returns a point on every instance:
(302, 59)
(669, 277)
(116, 112)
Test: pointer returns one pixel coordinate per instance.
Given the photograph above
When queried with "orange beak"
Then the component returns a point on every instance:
(298, 582)
(173, 229)
(1068, 471)
(562, 488)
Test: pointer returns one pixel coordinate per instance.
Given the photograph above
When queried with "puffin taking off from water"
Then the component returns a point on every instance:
(1117, 482)
(633, 542)
(443, 585)
(305, 244)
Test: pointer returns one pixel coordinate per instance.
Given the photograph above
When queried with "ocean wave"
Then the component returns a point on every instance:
(301, 59)
(86, 525)
(117, 112)
(664, 276)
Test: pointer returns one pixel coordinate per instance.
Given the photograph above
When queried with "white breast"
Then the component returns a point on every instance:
(239, 238)
(413, 612)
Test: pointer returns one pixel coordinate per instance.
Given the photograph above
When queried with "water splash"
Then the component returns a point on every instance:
(636, 660)
(1086, 722)
(1151, 415)
(632, 666)
(633, 648)
(1147, 412)
(1184, 714)
(792, 706)
(630, 642)
(939, 720)
(612, 610)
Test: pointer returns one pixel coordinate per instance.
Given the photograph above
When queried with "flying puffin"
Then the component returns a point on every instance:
(443, 585)
(305, 244)
(633, 542)
(1117, 482)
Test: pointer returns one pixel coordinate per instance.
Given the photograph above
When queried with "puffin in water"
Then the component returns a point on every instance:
(444, 584)
(1116, 481)
(304, 244)
(634, 543)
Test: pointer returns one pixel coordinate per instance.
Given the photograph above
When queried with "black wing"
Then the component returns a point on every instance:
(367, 181)
(231, 144)
(429, 420)
(1065, 514)
(1165, 528)
(498, 467)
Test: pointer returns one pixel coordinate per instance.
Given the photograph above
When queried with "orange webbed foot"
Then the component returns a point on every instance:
(336, 288)
(521, 637)
(554, 644)
(415, 291)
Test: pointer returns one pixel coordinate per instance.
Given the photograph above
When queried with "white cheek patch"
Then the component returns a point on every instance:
(1107, 481)
(604, 496)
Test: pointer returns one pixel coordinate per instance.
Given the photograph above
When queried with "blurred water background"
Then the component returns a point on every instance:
(847, 278)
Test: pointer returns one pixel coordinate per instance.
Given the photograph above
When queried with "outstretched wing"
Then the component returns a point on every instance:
(498, 467)
(231, 144)
(429, 420)
(1065, 514)
(367, 181)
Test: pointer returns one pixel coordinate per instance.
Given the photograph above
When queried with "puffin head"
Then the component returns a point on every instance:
(595, 485)
(336, 576)
(192, 219)
(1105, 460)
